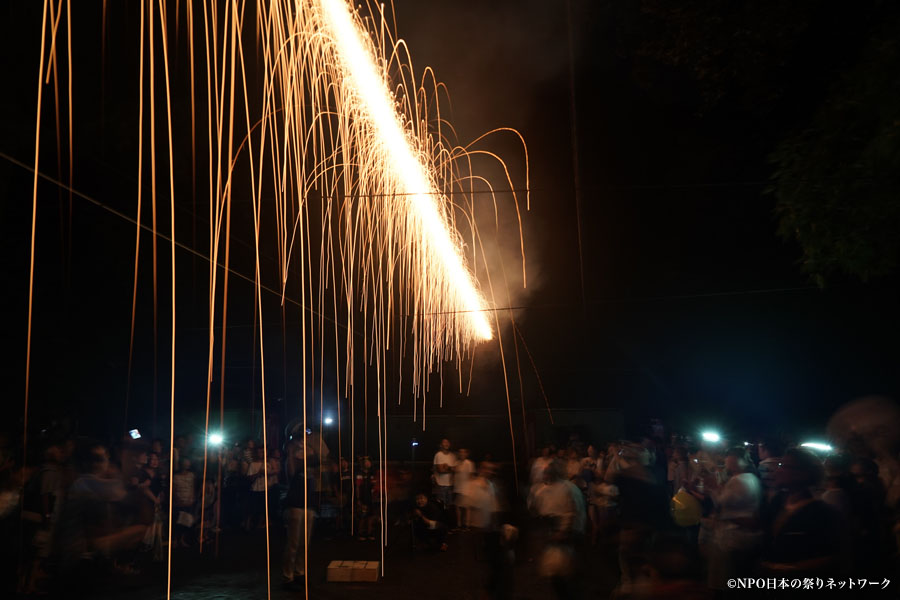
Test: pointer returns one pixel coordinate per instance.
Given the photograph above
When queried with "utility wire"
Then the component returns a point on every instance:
(167, 238)
(561, 306)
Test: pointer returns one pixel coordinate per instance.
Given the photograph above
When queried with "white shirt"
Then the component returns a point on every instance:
(462, 474)
(564, 501)
(444, 458)
(538, 467)
(482, 502)
(258, 484)
(183, 489)
(740, 497)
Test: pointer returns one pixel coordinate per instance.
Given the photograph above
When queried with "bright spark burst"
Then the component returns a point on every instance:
(344, 119)
(417, 190)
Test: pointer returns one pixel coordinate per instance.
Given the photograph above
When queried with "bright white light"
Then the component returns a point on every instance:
(329, 420)
(215, 439)
(817, 446)
(377, 103)
(711, 436)
(746, 443)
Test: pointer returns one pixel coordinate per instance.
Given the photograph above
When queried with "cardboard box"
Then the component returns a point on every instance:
(340, 570)
(354, 570)
(358, 567)
(369, 572)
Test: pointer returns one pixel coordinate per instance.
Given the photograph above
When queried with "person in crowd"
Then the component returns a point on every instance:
(208, 498)
(601, 503)
(156, 446)
(462, 473)
(54, 481)
(839, 485)
(561, 505)
(248, 453)
(871, 525)
(573, 466)
(44, 497)
(275, 478)
(328, 505)
(153, 491)
(482, 501)
(539, 465)
(590, 463)
(178, 448)
(89, 540)
(299, 517)
(368, 500)
(443, 464)
(736, 531)
(643, 506)
(657, 464)
(770, 451)
(153, 469)
(277, 475)
(495, 541)
(184, 499)
(140, 494)
(256, 474)
(678, 472)
(428, 527)
(804, 539)
(345, 493)
(615, 461)
(234, 485)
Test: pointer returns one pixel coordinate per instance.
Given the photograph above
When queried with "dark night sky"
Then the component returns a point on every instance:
(693, 309)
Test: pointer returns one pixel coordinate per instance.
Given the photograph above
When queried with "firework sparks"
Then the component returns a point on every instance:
(323, 124)
(416, 187)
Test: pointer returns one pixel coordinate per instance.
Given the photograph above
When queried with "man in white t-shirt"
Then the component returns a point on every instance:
(444, 462)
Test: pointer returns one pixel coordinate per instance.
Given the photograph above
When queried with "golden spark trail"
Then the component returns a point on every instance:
(37, 146)
(441, 250)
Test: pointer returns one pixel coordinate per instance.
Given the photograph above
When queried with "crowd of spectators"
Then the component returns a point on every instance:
(685, 517)
(82, 509)
(688, 518)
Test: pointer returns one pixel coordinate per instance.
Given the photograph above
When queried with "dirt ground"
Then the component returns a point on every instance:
(459, 573)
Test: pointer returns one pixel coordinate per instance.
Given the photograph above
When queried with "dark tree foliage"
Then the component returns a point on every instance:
(821, 83)
(738, 56)
(837, 182)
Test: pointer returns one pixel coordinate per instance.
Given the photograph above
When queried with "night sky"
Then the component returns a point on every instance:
(692, 307)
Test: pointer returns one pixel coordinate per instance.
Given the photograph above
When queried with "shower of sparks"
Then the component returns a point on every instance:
(333, 127)
(418, 195)
(322, 109)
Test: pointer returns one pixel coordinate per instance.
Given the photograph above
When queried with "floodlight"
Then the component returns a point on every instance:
(818, 446)
(216, 439)
(711, 436)
(328, 420)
